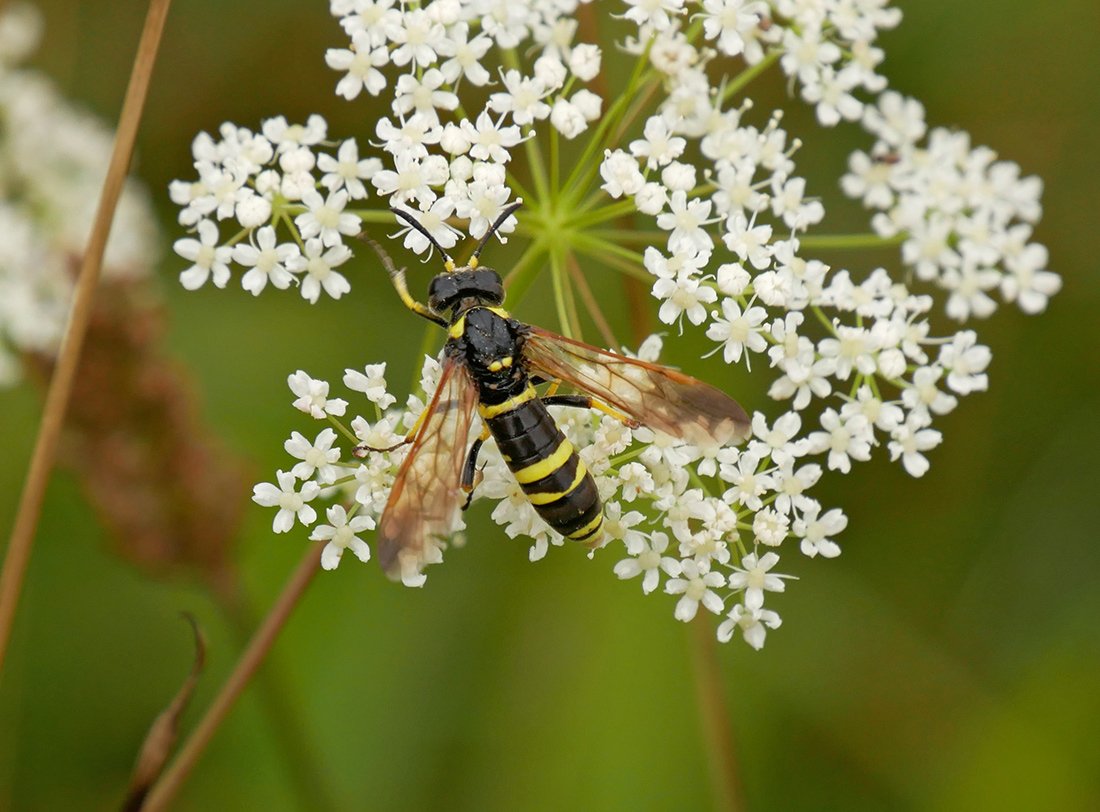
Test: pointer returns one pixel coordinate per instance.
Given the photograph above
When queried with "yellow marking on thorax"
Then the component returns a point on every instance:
(581, 532)
(543, 468)
(459, 327)
(503, 363)
(547, 498)
(487, 410)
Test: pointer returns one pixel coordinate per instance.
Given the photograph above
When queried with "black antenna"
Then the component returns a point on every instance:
(414, 223)
(504, 215)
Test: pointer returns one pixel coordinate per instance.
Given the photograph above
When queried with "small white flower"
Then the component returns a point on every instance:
(523, 98)
(341, 534)
(210, 259)
(659, 14)
(658, 145)
(312, 396)
(753, 623)
(489, 140)
(316, 457)
(755, 578)
(924, 397)
(568, 119)
(347, 170)
(696, 586)
(318, 265)
(620, 174)
(909, 440)
(737, 330)
(326, 218)
(845, 440)
(770, 527)
(372, 383)
(290, 502)
(266, 261)
(816, 531)
(748, 241)
(966, 362)
(651, 561)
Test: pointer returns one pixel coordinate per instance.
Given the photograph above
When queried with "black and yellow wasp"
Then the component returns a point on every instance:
(491, 365)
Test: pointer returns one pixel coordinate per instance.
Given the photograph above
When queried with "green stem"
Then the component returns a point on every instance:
(608, 247)
(841, 241)
(821, 317)
(594, 249)
(340, 427)
(373, 215)
(523, 273)
(653, 236)
(578, 178)
(741, 80)
(557, 277)
(555, 169)
(603, 214)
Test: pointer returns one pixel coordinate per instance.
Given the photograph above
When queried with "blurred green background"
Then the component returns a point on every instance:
(950, 659)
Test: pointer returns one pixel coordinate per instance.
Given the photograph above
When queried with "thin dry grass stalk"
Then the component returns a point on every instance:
(170, 783)
(165, 728)
(714, 717)
(61, 385)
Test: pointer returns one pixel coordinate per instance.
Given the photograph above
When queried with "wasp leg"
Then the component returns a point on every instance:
(364, 449)
(586, 402)
(397, 277)
(470, 470)
(555, 384)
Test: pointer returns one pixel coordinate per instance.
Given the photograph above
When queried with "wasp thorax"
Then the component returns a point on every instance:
(448, 289)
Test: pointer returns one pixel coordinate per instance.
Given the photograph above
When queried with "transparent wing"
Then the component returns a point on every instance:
(424, 503)
(655, 396)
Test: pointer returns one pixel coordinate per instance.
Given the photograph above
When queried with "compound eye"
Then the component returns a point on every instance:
(490, 285)
(441, 292)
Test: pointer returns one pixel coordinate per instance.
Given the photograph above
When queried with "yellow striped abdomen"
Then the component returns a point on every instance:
(547, 467)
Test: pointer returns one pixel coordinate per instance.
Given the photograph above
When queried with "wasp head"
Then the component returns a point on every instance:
(481, 285)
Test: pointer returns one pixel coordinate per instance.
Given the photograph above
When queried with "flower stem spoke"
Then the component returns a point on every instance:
(383, 216)
(587, 218)
(555, 169)
(821, 242)
(557, 278)
(647, 237)
(591, 303)
(742, 80)
(821, 317)
(338, 424)
(578, 178)
(590, 169)
(523, 273)
(596, 250)
(628, 254)
(519, 188)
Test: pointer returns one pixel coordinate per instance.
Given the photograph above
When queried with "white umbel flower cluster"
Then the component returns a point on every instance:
(54, 159)
(483, 100)
(689, 518)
